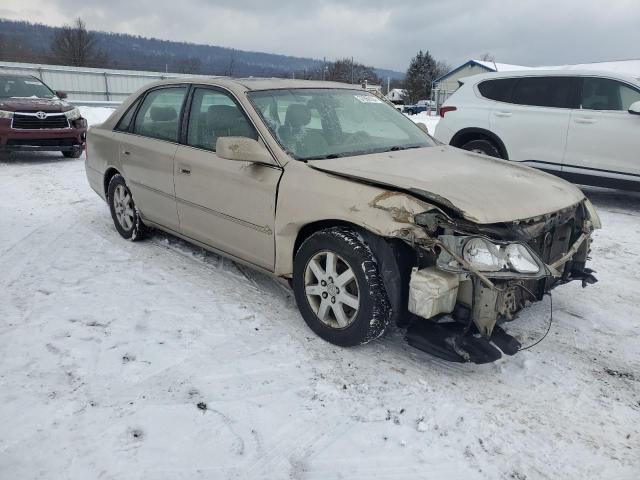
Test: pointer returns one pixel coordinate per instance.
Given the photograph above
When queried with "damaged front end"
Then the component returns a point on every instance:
(482, 275)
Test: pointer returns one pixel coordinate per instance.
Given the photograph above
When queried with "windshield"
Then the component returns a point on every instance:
(11, 87)
(330, 123)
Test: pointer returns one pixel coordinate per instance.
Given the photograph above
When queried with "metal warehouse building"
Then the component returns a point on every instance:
(90, 85)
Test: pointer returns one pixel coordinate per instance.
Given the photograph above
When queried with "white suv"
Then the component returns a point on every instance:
(581, 125)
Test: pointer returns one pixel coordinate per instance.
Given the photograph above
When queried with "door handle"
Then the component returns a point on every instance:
(585, 120)
(185, 170)
(126, 152)
(502, 114)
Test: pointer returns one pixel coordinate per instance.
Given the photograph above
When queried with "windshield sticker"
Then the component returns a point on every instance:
(368, 99)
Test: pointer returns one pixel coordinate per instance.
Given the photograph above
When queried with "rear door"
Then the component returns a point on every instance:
(533, 121)
(227, 204)
(603, 135)
(147, 153)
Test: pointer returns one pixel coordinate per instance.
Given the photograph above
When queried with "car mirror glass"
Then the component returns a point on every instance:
(243, 149)
(61, 95)
(422, 127)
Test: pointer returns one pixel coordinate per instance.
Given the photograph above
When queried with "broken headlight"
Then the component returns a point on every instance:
(486, 256)
(483, 255)
(490, 256)
(520, 259)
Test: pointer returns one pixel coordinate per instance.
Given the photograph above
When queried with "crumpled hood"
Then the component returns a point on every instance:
(480, 188)
(34, 104)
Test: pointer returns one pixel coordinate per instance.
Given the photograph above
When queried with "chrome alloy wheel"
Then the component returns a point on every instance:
(123, 206)
(332, 289)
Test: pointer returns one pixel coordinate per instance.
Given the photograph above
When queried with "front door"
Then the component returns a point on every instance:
(227, 204)
(147, 154)
(603, 135)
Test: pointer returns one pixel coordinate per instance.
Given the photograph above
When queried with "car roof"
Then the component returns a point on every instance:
(254, 84)
(558, 72)
(16, 75)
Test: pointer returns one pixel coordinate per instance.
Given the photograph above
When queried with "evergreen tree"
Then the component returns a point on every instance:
(422, 70)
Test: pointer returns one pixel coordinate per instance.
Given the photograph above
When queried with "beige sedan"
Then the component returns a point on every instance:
(331, 188)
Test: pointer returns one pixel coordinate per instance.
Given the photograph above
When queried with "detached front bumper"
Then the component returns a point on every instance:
(480, 281)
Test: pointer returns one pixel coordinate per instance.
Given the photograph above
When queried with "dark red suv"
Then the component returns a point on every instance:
(34, 117)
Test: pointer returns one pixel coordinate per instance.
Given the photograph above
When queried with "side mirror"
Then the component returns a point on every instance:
(61, 95)
(634, 109)
(423, 127)
(243, 149)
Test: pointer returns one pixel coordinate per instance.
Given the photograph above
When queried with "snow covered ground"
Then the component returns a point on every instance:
(429, 120)
(157, 360)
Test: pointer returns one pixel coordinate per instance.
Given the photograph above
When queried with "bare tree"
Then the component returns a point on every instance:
(232, 60)
(74, 45)
(442, 68)
(487, 57)
(345, 70)
(189, 65)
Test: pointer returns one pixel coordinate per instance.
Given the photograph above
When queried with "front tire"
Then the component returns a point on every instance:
(482, 146)
(124, 213)
(338, 288)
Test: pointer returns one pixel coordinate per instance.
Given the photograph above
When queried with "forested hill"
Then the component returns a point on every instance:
(27, 42)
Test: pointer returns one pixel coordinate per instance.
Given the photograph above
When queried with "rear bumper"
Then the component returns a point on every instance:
(443, 133)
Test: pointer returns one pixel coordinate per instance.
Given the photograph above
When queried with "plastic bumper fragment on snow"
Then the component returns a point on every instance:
(449, 342)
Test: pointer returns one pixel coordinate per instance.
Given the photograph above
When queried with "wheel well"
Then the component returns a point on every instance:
(395, 259)
(311, 228)
(468, 134)
(108, 175)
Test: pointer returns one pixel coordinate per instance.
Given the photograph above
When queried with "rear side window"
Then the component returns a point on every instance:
(215, 114)
(499, 89)
(606, 94)
(159, 114)
(125, 121)
(543, 92)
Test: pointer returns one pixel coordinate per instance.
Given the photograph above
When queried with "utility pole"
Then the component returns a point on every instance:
(324, 67)
(388, 84)
(352, 82)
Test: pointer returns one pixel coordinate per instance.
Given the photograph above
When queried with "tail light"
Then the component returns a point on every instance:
(444, 110)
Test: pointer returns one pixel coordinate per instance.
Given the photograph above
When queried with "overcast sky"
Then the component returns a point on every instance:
(385, 33)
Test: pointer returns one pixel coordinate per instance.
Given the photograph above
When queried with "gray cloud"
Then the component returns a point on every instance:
(376, 32)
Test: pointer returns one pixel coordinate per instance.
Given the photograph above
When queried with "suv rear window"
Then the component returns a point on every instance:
(543, 92)
(499, 89)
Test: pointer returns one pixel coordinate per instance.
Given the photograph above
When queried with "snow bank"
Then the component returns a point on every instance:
(429, 120)
(95, 115)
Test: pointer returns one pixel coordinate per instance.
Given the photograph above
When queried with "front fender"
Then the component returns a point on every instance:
(307, 196)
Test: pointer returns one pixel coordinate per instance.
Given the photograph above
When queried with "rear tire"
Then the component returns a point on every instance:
(338, 288)
(126, 216)
(75, 153)
(482, 146)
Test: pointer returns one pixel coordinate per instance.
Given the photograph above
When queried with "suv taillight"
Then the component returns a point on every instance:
(444, 110)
